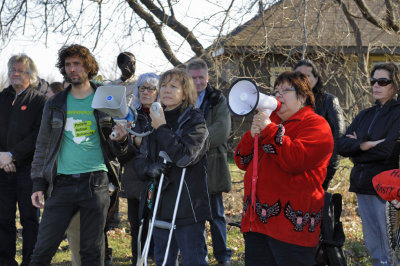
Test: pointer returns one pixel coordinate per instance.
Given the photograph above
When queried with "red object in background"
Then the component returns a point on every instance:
(387, 184)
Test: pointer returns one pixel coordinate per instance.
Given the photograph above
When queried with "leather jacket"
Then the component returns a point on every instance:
(327, 106)
(44, 165)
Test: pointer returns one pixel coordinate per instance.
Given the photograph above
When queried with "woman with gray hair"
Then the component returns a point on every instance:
(146, 87)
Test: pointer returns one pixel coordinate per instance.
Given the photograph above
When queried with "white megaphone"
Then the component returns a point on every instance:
(244, 97)
(112, 101)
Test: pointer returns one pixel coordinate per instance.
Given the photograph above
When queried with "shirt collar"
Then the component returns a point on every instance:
(200, 98)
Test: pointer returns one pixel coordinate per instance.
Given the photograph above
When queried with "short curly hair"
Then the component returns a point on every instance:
(76, 50)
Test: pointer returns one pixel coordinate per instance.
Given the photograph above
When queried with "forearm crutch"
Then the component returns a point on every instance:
(145, 252)
(171, 226)
(142, 257)
(163, 224)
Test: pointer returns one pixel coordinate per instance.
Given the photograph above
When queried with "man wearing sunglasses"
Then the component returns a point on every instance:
(327, 106)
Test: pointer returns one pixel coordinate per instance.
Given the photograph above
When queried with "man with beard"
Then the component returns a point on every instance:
(74, 161)
(21, 109)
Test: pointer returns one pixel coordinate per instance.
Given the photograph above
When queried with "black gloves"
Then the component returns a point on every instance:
(155, 170)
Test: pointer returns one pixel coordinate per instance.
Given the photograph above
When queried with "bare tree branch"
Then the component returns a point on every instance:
(178, 27)
(388, 24)
(357, 34)
(303, 53)
(390, 20)
(157, 31)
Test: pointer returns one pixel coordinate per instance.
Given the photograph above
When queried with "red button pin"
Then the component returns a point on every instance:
(23, 107)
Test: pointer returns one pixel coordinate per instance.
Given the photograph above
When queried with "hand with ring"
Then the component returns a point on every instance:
(10, 168)
(261, 120)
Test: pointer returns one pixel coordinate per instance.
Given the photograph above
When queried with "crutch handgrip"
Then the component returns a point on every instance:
(163, 225)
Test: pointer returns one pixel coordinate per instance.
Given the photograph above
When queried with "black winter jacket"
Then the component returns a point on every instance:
(186, 145)
(44, 165)
(19, 123)
(327, 106)
(375, 123)
(131, 185)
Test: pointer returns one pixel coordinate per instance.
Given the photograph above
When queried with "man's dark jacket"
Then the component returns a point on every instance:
(187, 146)
(19, 123)
(375, 123)
(327, 106)
(218, 119)
(44, 165)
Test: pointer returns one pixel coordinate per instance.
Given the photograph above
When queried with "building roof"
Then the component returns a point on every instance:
(281, 25)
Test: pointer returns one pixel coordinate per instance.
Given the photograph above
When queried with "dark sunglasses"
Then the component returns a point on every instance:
(381, 82)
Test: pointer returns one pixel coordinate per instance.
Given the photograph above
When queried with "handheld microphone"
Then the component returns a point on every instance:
(155, 107)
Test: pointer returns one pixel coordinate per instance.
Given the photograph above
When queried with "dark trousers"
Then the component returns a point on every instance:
(89, 195)
(263, 250)
(189, 239)
(134, 220)
(16, 188)
(218, 228)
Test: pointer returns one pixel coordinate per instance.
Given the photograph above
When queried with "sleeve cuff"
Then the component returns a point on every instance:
(39, 184)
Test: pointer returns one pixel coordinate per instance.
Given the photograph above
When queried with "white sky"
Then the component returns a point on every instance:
(142, 45)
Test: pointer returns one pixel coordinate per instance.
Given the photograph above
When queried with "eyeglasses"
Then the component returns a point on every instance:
(381, 82)
(282, 91)
(149, 89)
(15, 71)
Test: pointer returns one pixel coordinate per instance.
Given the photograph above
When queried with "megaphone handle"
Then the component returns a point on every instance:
(254, 179)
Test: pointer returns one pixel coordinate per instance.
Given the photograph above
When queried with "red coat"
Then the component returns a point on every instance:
(292, 161)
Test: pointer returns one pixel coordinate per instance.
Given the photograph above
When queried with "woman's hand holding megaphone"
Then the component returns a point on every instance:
(260, 121)
(157, 118)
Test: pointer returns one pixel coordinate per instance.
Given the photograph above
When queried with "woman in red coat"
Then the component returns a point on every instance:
(281, 225)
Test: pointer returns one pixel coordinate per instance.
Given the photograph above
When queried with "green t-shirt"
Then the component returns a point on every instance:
(80, 150)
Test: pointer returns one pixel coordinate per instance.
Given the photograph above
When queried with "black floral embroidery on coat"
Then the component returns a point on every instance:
(315, 219)
(279, 134)
(246, 159)
(269, 148)
(296, 217)
(265, 211)
(246, 203)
